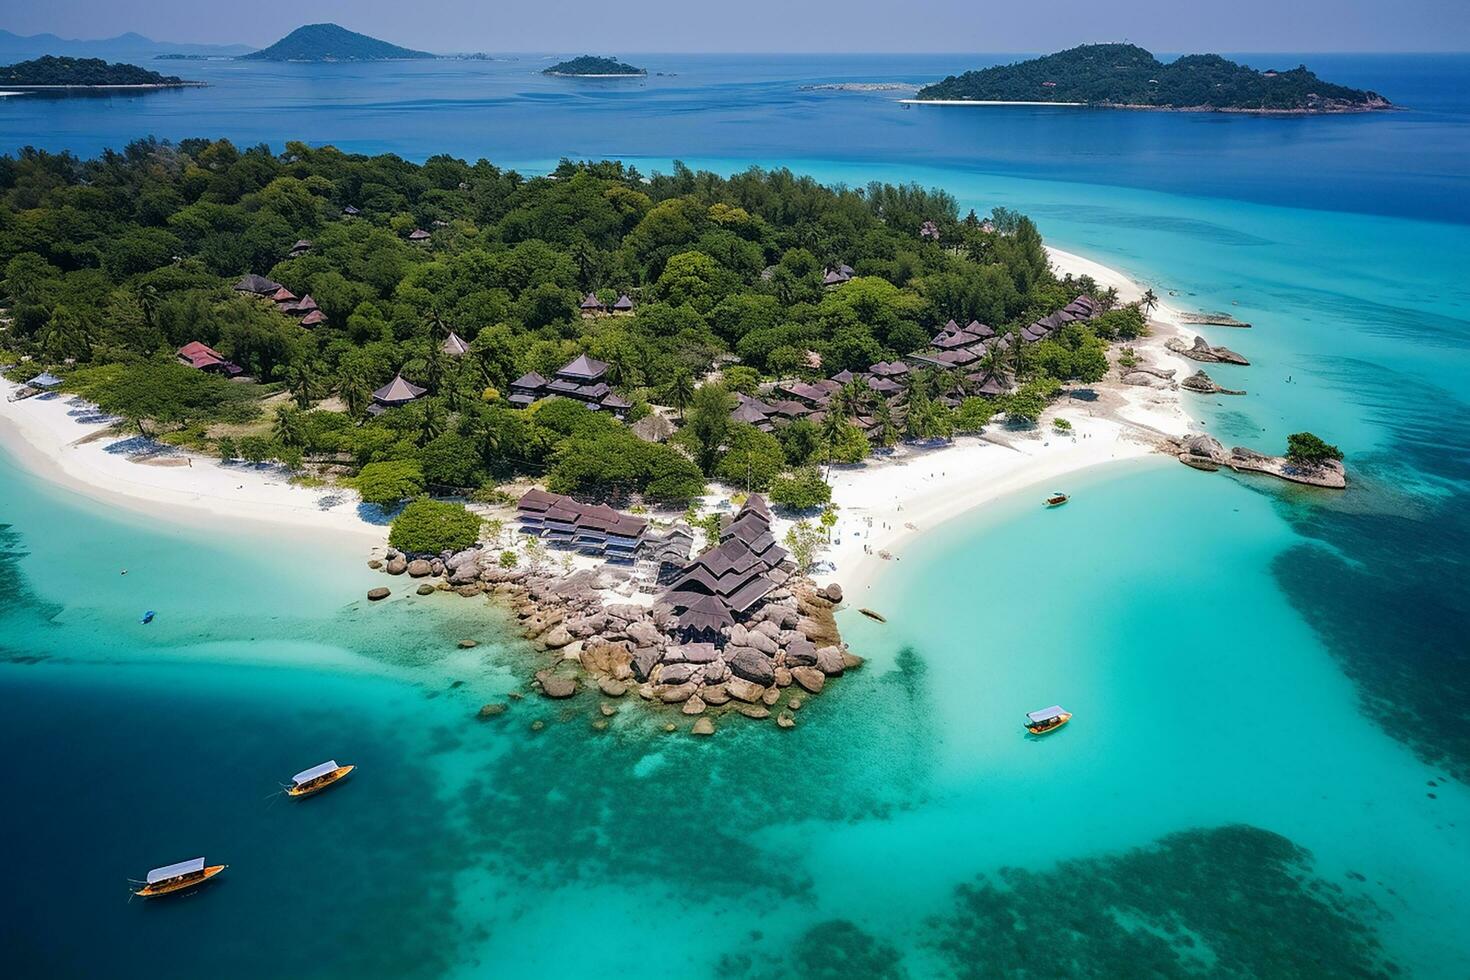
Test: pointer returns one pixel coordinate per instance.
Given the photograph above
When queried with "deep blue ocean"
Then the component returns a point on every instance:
(1268, 774)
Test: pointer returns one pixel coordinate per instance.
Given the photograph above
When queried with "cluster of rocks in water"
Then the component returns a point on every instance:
(1200, 350)
(1201, 383)
(1206, 453)
(784, 651)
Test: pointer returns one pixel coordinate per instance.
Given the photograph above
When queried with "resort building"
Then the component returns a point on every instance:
(301, 247)
(592, 529)
(582, 378)
(592, 306)
(419, 237)
(202, 357)
(259, 285)
(623, 304)
(837, 276)
(453, 345)
(394, 393)
(729, 581)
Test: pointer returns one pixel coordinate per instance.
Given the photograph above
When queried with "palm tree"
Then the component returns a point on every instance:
(1150, 300)
(431, 424)
(301, 382)
(681, 391)
(884, 429)
(148, 301)
(856, 396)
(289, 429)
(355, 390)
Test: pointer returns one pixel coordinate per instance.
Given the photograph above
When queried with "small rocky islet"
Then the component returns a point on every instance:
(789, 645)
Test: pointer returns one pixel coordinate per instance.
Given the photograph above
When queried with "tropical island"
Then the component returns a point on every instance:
(51, 71)
(331, 42)
(591, 66)
(1127, 76)
(665, 398)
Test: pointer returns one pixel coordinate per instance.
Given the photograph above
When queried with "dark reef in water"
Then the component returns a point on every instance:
(1233, 901)
(1387, 595)
(697, 815)
(832, 950)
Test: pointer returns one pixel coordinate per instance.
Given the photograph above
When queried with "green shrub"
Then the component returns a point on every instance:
(802, 489)
(391, 481)
(430, 526)
(1304, 447)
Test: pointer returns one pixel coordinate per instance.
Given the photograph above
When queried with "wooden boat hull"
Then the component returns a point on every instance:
(331, 779)
(1038, 730)
(1055, 502)
(164, 888)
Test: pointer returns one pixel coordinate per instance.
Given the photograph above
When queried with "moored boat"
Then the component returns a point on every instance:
(147, 617)
(317, 778)
(174, 878)
(1047, 719)
(1056, 499)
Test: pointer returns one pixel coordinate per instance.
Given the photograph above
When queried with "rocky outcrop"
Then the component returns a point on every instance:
(556, 685)
(750, 664)
(1205, 453)
(1203, 384)
(375, 595)
(1200, 350)
(788, 643)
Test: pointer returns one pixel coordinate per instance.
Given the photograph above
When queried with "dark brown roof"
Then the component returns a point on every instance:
(529, 380)
(397, 392)
(583, 368)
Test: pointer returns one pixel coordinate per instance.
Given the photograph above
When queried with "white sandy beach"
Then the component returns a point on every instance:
(57, 438)
(882, 503)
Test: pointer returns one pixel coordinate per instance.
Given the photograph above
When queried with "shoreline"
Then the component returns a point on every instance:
(1237, 110)
(879, 504)
(885, 504)
(184, 488)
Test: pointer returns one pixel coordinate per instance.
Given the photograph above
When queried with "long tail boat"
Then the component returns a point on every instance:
(1047, 719)
(317, 778)
(1056, 499)
(174, 878)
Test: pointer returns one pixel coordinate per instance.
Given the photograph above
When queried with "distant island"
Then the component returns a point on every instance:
(1127, 76)
(330, 42)
(129, 45)
(589, 66)
(50, 71)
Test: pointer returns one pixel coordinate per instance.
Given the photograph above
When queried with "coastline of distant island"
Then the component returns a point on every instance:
(1125, 76)
(591, 66)
(60, 74)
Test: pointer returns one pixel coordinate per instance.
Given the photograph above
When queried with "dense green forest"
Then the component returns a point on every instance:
(591, 65)
(1127, 75)
(329, 42)
(111, 265)
(51, 70)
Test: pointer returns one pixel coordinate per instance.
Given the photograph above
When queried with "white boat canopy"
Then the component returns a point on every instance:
(175, 870)
(315, 772)
(1045, 714)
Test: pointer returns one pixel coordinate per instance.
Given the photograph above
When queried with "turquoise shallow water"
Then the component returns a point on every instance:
(1254, 669)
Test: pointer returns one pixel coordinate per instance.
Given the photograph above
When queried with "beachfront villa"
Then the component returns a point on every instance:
(304, 308)
(202, 357)
(581, 378)
(394, 393)
(953, 348)
(592, 529)
(726, 583)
